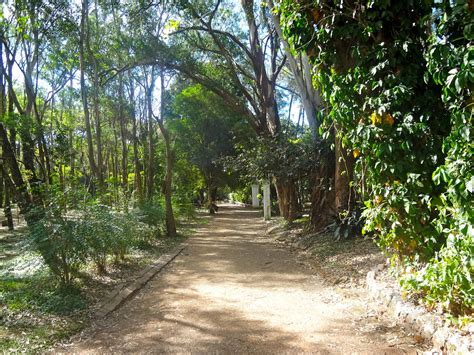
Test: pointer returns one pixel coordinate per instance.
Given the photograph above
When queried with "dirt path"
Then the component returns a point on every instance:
(230, 291)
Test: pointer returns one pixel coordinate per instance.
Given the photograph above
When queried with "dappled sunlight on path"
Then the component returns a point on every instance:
(231, 291)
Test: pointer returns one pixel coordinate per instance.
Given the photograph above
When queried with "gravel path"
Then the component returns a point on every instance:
(230, 291)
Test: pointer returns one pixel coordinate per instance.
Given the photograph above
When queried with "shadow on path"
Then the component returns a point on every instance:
(231, 291)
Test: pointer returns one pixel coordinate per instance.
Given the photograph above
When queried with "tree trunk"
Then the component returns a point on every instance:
(151, 146)
(265, 84)
(85, 104)
(170, 221)
(123, 137)
(310, 97)
(344, 195)
(71, 155)
(287, 199)
(322, 195)
(115, 156)
(98, 129)
(31, 206)
(95, 101)
(136, 158)
(2, 184)
(8, 207)
(211, 195)
(25, 200)
(62, 181)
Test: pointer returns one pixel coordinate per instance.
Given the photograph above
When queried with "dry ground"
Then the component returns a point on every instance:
(232, 291)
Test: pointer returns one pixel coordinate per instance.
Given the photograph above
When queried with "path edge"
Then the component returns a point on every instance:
(116, 298)
(426, 325)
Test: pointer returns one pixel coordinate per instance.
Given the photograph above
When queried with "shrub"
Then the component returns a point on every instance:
(112, 233)
(241, 195)
(100, 232)
(448, 278)
(95, 232)
(151, 213)
(60, 244)
(184, 210)
(134, 232)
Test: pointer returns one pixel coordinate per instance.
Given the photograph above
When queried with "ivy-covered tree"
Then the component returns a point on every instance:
(378, 65)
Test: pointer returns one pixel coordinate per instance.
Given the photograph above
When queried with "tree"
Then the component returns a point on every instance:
(253, 70)
(206, 132)
(390, 110)
(169, 154)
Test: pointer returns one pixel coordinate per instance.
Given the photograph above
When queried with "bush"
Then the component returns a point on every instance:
(112, 233)
(184, 210)
(242, 195)
(448, 279)
(60, 243)
(134, 232)
(96, 232)
(151, 213)
(101, 234)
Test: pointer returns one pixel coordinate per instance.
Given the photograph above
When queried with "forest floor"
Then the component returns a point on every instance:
(232, 290)
(35, 313)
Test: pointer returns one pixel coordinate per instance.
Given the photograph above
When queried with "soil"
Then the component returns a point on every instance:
(234, 291)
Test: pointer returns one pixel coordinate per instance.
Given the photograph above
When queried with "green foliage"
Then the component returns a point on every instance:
(31, 309)
(242, 195)
(40, 293)
(207, 132)
(284, 157)
(60, 244)
(107, 232)
(66, 241)
(399, 89)
(448, 278)
(101, 234)
(183, 210)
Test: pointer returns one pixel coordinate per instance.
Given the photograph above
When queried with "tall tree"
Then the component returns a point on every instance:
(169, 154)
(84, 32)
(253, 69)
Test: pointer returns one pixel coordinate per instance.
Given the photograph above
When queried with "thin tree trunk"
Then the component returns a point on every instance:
(8, 207)
(151, 147)
(2, 184)
(265, 83)
(322, 196)
(115, 156)
(123, 137)
(62, 182)
(170, 221)
(85, 104)
(344, 199)
(210, 195)
(310, 97)
(72, 163)
(136, 159)
(25, 200)
(98, 129)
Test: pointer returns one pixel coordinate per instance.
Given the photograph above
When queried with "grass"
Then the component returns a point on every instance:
(40, 293)
(37, 312)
